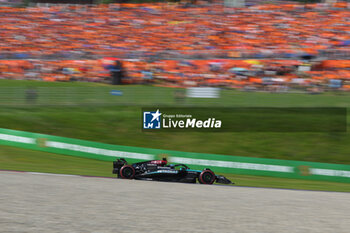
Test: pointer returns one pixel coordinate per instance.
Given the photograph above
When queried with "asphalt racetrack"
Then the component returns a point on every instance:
(53, 203)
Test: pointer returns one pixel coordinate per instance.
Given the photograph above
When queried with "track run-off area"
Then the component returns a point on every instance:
(31, 202)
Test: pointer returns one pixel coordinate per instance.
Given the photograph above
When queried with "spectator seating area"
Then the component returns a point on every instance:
(175, 45)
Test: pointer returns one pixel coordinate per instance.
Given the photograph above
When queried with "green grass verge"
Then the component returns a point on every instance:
(120, 125)
(117, 123)
(120, 122)
(35, 161)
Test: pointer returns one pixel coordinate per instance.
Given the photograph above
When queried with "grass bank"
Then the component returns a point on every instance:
(71, 112)
(121, 125)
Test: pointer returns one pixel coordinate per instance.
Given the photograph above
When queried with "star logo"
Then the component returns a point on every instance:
(156, 115)
(151, 120)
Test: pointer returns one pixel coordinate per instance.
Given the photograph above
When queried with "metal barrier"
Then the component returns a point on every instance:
(127, 95)
(333, 54)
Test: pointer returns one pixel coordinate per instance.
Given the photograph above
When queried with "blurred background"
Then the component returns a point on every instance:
(83, 69)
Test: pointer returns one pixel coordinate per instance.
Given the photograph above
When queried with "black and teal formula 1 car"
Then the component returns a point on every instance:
(159, 170)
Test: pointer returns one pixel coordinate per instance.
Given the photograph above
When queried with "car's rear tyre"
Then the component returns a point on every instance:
(127, 172)
(206, 177)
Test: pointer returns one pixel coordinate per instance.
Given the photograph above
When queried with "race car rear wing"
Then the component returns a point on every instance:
(118, 164)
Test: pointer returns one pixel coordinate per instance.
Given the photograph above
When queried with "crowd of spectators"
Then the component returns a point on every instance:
(268, 75)
(175, 44)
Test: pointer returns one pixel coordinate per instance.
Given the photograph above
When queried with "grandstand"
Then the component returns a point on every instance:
(65, 1)
(261, 47)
